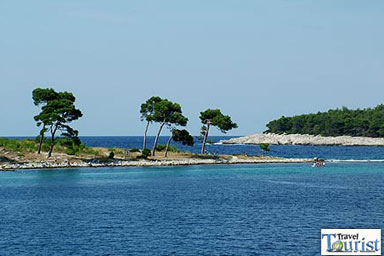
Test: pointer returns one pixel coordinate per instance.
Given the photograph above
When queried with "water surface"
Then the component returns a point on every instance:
(197, 210)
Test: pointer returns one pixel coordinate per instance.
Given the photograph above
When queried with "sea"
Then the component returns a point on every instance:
(246, 209)
(330, 153)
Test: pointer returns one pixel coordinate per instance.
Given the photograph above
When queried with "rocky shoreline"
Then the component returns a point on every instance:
(300, 139)
(144, 163)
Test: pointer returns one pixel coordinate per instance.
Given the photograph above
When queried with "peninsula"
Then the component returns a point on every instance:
(305, 139)
(22, 158)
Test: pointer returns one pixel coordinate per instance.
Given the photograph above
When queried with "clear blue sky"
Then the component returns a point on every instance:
(255, 60)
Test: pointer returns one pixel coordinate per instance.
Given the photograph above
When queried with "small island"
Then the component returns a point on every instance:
(21, 154)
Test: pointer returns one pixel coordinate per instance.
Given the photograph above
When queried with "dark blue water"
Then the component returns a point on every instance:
(196, 210)
(327, 152)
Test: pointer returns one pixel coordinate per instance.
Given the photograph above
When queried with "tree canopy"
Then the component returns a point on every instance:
(214, 117)
(57, 111)
(183, 137)
(167, 113)
(147, 110)
(367, 122)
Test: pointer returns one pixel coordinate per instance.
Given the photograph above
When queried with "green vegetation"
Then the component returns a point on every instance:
(181, 136)
(163, 147)
(57, 110)
(145, 153)
(367, 122)
(147, 110)
(20, 146)
(166, 113)
(214, 117)
(265, 147)
(63, 145)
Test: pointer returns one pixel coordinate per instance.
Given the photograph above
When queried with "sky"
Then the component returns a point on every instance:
(255, 60)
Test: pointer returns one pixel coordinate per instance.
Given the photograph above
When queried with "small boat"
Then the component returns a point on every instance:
(318, 164)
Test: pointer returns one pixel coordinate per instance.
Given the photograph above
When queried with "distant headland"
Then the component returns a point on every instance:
(305, 139)
(337, 127)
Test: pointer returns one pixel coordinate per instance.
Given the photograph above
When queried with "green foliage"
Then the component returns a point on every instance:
(162, 147)
(214, 117)
(57, 110)
(183, 137)
(265, 147)
(133, 150)
(22, 146)
(70, 147)
(367, 122)
(211, 142)
(63, 145)
(147, 109)
(145, 153)
(168, 112)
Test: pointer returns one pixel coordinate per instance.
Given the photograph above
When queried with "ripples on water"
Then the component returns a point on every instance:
(195, 210)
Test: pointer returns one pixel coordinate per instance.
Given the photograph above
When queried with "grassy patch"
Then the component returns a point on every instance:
(162, 147)
(62, 145)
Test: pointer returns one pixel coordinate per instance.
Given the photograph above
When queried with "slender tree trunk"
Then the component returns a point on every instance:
(145, 136)
(205, 139)
(41, 139)
(167, 147)
(157, 138)
(52, 141)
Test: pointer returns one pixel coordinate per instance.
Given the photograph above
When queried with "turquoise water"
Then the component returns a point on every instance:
(195, 210)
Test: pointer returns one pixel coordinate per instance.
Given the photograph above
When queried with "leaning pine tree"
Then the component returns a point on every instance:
(167, 113)
(214, 117)
(146, 111)
(56, 114)
(181, 136)
(41, 97)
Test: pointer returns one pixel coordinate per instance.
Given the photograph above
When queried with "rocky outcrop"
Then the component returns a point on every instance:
(299, 139)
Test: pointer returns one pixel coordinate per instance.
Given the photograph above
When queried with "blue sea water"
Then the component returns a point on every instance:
(292, 151)
(274, 209)
(295, 151)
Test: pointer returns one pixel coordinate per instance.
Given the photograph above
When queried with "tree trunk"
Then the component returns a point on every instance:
(52, 142)
(41, 139)
(205, 139)
(145, 136)
(157, 138)
(167, 147)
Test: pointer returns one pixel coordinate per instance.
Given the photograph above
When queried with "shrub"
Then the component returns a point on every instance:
(145, 153)
(162, 147)
(111, 155)
(133, 150)
(264, 147)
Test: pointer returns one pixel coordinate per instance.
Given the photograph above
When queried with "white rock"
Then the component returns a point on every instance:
(305, 139)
